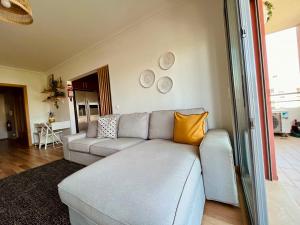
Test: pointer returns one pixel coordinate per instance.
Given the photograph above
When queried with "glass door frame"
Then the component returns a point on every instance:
(256, 201)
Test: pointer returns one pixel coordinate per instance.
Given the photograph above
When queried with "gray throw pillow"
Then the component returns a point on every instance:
(92, 129)
(134, 125)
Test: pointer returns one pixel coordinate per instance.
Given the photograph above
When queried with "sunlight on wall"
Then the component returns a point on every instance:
(283, 65)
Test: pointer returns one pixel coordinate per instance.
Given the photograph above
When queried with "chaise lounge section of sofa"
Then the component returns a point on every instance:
(146, 178)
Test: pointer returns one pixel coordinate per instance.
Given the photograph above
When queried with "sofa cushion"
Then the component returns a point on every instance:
(134, 125)
(109, 147)
(92, 129)
(83, 144)
(143, 184)
(162, 122)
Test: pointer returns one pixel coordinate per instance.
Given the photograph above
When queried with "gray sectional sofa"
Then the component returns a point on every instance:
(143, 177)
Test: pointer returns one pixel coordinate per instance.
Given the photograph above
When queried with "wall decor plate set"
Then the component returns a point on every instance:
(164, 84)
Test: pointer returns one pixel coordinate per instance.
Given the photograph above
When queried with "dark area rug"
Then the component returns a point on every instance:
(31, 197)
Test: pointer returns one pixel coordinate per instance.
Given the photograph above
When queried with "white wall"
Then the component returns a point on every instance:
(283, 61)
(3, 131)
(194, 31)
(35, 82)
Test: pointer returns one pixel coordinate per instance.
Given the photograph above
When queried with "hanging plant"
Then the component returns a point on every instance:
(269, 7)
(55, 91)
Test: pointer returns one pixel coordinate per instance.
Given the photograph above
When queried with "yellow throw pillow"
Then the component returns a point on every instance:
(189, 129)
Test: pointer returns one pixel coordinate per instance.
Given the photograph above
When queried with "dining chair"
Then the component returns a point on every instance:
(52, 131)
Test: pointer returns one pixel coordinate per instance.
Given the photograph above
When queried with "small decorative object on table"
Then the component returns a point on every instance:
(55, 91)
(51, 118)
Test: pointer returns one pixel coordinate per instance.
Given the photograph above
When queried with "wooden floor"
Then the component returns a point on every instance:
(14, 160)
(221, 214)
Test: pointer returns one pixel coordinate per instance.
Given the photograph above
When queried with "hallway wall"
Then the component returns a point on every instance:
(10, 114)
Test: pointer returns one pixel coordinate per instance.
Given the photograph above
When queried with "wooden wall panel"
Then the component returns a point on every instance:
(104, 91)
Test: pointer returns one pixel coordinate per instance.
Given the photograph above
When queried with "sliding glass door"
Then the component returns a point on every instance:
(244, 92)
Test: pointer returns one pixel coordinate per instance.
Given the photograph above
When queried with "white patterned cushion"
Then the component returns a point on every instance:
(107, 127)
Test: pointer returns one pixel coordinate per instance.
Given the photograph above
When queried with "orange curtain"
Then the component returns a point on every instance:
(104, 91)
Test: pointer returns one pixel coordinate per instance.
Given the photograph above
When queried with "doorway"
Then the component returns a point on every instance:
(14, 120)
(92, 98)
(283, 48)
(86, 101)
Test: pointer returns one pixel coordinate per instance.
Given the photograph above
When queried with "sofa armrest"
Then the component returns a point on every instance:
(219, 177)
(67, 139)
(72, 137)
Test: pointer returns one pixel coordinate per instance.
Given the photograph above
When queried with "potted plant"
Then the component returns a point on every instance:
(268, 10)
(55, 91)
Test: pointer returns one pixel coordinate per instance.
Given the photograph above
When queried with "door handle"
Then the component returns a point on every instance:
(243, 33)
(251, 123)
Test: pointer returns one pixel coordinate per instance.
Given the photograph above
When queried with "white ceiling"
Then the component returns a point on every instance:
(62, 29)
